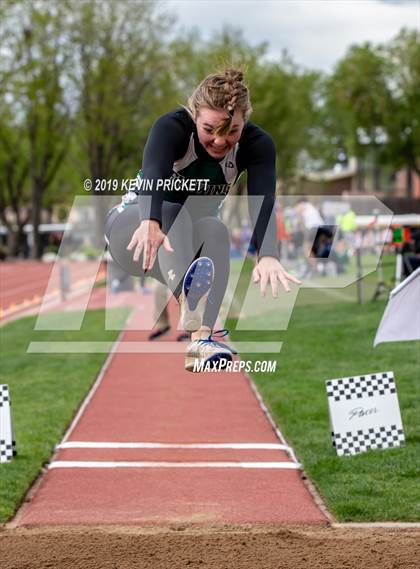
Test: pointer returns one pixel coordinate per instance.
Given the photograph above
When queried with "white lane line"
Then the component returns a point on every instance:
(119, 445)
(127, 347)
(122, 464)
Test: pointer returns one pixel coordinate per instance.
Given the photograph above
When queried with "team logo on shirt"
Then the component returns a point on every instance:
(206, 188)
(218, 189)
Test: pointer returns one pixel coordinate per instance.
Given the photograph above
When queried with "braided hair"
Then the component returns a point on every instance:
(222, 91)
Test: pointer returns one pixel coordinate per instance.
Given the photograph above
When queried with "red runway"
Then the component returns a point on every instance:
(157, 445)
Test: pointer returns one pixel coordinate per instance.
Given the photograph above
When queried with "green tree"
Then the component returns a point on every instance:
(402, 116)
(357, 98)
(33, 72)
(123, 81)
(371, 102)
(284, 105)
(14, 178)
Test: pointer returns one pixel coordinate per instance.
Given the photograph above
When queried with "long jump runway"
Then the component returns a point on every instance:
(156, 445)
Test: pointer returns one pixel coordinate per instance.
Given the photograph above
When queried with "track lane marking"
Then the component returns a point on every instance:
(155, 464)
(125, 445)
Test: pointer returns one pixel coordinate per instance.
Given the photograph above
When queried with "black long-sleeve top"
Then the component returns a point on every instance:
(173, 151)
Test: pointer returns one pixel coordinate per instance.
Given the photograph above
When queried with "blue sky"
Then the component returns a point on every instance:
(316, 33)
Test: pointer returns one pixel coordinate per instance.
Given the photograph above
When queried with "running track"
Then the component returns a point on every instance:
(158, 445)
(24, 283)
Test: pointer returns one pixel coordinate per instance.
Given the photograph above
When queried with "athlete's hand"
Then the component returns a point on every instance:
(147, 238)
(269, 270)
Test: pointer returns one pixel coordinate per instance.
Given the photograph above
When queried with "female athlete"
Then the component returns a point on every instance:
(169, 228)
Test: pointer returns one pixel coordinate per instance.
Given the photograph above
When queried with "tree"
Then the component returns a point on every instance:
(402, 114)
(285, 106)
(33, 70)
(357, 98)
(122, 77)
(14, 177)
(371, 102)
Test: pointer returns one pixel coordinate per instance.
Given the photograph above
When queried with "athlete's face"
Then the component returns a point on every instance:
(208, 120)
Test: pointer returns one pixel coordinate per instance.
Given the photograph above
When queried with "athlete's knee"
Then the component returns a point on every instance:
(119, 227)
(213, 228)
(109, 220)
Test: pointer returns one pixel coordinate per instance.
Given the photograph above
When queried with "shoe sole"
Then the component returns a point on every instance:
(196, 286)
(191, 362)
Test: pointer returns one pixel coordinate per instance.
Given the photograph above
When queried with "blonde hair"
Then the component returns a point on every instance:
(225, 91)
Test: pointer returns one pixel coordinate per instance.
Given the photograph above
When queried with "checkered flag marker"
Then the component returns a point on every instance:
(7, 442)
(364, 413)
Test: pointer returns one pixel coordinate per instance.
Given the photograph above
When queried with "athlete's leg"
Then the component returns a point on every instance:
(120, 225)
(169, 267)
(177, 225)
(213, 237)
(211, 234)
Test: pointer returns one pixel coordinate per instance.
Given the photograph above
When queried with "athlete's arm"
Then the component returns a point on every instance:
(262, 183)
(261, 187)
(166, 142)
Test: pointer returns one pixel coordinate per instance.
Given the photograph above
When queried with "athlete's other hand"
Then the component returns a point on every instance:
(269, 270)
(147, 238)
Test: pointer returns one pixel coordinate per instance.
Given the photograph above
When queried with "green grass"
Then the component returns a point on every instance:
(327, 339)
(46, 391)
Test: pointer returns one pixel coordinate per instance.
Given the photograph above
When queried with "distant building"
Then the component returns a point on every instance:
(400, 190)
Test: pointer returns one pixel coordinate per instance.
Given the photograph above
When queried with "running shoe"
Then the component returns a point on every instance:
(196, 287)
(200, 352)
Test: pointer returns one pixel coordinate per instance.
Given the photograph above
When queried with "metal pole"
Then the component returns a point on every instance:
(359, 275)
(398, 265)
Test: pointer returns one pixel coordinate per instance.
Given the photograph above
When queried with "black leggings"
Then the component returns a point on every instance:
(190, 235)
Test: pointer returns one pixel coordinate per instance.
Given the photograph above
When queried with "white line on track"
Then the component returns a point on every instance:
(127, 347)
(239, 446)
(122, 464)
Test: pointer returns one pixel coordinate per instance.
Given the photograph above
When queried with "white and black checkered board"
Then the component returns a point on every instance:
(364, 387)
(361, 386)
(7, 442)
(7, 451)
(368, 439)
(4, 395)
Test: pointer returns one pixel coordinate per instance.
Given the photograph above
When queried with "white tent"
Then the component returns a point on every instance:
(401, 319)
